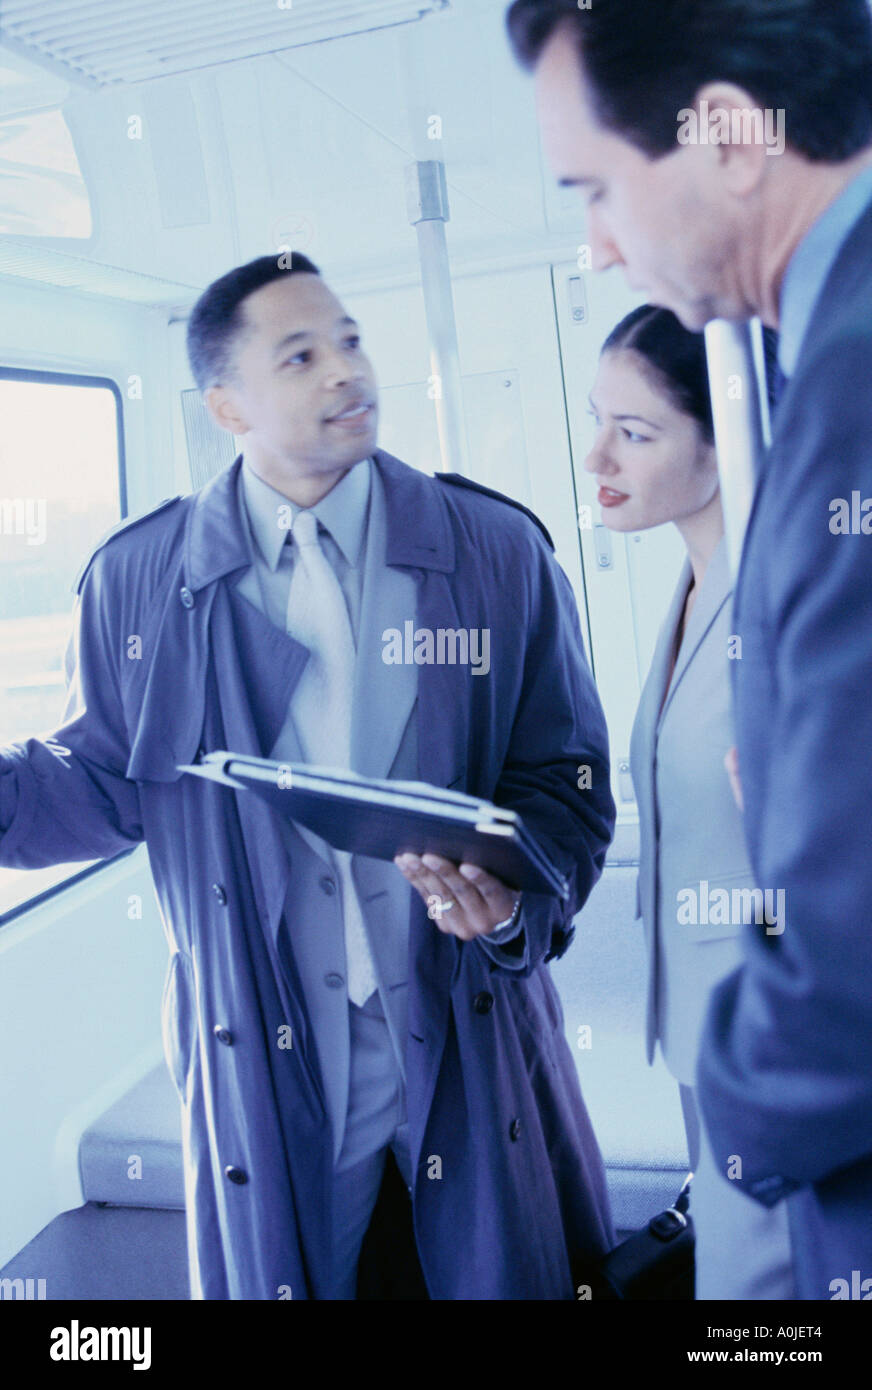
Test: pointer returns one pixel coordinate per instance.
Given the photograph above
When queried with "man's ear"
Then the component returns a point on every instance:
(221, 403)
(736, 131)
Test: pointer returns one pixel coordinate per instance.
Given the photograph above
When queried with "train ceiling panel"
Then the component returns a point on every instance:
(171, 181)
(99, 44)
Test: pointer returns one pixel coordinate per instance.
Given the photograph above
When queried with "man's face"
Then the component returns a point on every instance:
(296, 365)
(669, 222)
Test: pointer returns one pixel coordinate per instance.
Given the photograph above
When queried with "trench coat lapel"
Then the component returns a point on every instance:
(272, 662)
(257, 668)
(419, 539)
(254, 686)
(383, 694)
(273, 696)
(251, 715)
(171, 714)
(167, 719)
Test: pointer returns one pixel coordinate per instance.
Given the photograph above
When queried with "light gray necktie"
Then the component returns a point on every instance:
(321, 708)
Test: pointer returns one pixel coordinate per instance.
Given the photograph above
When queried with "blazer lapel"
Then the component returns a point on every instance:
(644, 736)
(651, 699)
(654, 689)
(713, 594)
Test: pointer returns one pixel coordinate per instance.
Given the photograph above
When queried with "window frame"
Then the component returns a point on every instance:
(39, 898)
(54, 378)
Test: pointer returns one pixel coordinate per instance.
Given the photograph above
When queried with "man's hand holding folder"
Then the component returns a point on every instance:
(466, 858)
(462, 899)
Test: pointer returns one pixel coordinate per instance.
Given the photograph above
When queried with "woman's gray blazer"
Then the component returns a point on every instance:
(691, 832)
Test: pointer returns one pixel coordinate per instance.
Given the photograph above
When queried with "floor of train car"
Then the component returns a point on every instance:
(111, 1249)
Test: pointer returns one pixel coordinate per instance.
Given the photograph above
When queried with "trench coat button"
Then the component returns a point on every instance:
(328, 885)
(187, 597)
(483, 1002)
(333, 981)
(515, 1130)
(237, 1175)
(220, 894)
(223, 1035)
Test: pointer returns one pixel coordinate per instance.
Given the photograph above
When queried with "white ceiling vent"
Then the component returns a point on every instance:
(22, 260)
(99, 43)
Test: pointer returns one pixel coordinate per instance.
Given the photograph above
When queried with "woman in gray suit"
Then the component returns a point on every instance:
(655, 461)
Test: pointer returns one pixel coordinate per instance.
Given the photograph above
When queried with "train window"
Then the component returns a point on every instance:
(61, 465)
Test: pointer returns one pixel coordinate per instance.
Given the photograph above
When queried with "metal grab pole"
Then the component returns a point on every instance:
(427, 202)
(740, 408)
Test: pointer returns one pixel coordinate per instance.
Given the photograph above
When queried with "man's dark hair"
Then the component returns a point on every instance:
(677, 360)
(216, 318)
(646, 59)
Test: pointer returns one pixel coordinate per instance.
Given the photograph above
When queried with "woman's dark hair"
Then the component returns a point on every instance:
(678, 360)
(647, 59)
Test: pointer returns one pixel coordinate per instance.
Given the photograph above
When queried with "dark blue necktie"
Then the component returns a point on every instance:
(778, 387)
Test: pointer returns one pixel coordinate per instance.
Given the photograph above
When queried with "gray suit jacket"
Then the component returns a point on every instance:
(691, 832)
(383, 744)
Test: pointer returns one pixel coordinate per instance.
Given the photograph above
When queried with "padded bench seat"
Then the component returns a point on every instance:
(145, 1124)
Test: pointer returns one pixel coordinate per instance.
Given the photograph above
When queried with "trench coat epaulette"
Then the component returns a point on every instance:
(459, 481)
(125, 524)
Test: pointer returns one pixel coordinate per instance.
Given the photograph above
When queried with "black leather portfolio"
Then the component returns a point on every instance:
(364, 815)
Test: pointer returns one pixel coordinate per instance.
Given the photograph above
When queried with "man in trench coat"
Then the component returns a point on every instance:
(516, 1204)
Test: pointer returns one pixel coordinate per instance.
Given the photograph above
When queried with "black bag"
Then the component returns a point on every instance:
(654, 1263)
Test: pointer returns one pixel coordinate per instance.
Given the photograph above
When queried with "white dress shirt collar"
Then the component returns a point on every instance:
(343, 511)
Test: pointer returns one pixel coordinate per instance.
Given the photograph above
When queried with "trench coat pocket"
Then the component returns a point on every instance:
(178, 1020)
(718, 908)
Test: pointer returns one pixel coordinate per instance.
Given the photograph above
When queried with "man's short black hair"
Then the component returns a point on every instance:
(216, 319)
(646, 60)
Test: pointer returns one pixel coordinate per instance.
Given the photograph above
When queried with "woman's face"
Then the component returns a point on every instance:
(651, 460)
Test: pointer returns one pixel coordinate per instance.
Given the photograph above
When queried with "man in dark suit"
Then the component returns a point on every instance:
(726, 150)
